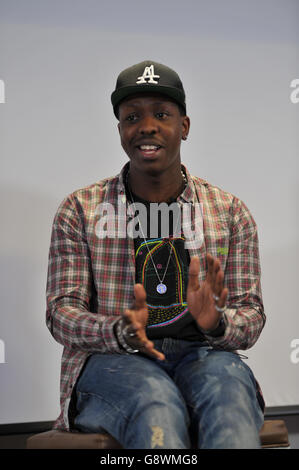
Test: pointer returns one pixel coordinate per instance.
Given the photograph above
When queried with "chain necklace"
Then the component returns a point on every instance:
(161, 288)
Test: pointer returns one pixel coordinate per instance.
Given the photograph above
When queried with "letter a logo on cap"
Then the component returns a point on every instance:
(148, 76)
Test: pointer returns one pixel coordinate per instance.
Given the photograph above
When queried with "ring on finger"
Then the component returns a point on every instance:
(220, 309)
(216, 298)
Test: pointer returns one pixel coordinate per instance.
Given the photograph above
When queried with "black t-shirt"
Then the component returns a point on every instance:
(162, 264)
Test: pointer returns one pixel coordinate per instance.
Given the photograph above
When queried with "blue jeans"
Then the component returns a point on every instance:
(149, 404)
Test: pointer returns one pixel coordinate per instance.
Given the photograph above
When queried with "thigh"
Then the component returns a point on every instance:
(121, 378)
(128, 396)
(207, 365)
(220, 391)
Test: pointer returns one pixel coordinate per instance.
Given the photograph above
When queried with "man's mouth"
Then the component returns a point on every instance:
(149, 150)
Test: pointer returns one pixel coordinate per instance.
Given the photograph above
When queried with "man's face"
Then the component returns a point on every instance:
(151, 129)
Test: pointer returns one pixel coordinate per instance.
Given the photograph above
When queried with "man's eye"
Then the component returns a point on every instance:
(161, 115)
(131, 117)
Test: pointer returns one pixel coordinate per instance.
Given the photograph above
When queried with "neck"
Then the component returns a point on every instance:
(157, 187)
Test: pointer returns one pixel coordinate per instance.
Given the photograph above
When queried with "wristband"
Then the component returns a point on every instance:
(121, 338)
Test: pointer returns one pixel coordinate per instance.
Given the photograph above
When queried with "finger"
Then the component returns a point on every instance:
(218, 286)
(193, 281)
(129, 316)
(140, 296)
(210, 262)
(130, 319)
(216, 269)
(145, 346)
(213, 268)
(220, 292)
(151, 351)
(139, 340)
(223, 297)
(135, 331)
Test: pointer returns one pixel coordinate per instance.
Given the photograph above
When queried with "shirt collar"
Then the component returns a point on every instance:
(188, 195)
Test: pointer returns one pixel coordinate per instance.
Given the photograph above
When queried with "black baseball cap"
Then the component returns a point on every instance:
(148, 76)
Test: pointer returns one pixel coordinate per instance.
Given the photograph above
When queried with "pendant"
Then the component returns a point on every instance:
(161, 288)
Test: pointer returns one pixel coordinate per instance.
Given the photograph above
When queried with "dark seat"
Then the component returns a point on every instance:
(273, 434)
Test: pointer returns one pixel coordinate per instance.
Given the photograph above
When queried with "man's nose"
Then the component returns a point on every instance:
(148, 126)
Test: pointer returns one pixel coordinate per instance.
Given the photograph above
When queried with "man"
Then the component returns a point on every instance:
(151, 321)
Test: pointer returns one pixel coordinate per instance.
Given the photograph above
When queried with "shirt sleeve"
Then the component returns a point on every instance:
(244, 317)
(70, 287)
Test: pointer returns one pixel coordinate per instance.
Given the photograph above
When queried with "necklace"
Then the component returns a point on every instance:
(161, 288)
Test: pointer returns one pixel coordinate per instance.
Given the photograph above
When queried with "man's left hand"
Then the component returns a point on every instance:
(202, 298)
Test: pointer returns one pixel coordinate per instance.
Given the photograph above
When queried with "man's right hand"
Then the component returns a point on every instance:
(136, 319)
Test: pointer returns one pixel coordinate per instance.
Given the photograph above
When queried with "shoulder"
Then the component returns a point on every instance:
(83, 203)
(91, 195)
(221, 202)
(212, 191)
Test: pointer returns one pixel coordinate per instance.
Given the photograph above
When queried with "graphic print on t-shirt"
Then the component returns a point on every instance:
(169, 257)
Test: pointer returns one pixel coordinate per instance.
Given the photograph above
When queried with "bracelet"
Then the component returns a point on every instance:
(121, 338)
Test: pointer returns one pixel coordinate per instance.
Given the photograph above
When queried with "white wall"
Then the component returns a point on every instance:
(59, 61)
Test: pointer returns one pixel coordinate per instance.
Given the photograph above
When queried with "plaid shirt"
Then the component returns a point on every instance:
(90, 279)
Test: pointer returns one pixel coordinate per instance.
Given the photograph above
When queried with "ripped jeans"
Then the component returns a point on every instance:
(197, 397)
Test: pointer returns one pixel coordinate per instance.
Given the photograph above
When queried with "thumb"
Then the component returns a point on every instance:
(140, 296)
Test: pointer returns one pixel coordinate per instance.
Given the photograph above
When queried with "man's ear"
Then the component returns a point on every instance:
(118, 127)
(185, 127)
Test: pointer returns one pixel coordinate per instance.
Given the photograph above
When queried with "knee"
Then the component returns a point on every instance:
(158, 417)
(159, 393)
(222, 379)
(229, 368)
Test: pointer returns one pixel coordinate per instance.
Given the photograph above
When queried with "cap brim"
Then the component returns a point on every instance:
(121, 93)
